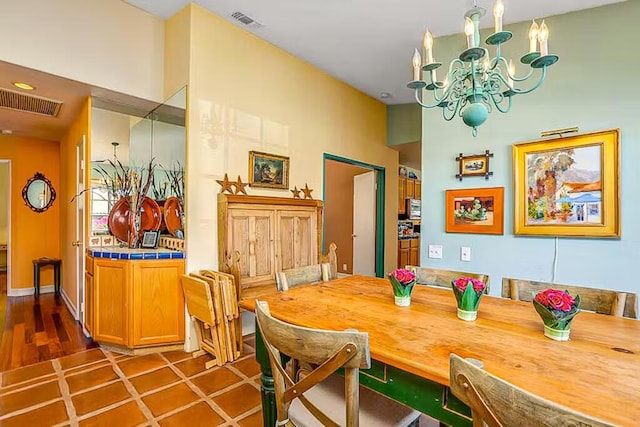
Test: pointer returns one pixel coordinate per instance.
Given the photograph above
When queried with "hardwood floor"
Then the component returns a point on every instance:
(37, 330)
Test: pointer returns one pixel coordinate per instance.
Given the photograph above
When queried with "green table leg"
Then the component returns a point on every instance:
(267, 391)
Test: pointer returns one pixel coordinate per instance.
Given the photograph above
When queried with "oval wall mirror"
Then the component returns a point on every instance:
(38, 193)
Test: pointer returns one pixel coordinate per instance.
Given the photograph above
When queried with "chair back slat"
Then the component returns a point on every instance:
(442, 278)
(287, 279)
(498, 403)
(604, 301)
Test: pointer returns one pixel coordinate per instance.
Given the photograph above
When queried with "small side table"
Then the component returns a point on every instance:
(41, 262)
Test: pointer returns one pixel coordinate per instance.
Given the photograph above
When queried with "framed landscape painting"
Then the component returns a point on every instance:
(475, 210)
(268, 170)
(568, 186)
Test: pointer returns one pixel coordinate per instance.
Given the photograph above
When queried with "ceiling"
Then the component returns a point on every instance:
(365, 43)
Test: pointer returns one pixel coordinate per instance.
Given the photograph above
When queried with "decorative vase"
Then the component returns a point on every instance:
(403, 300)
(469, 316)
(557, 334)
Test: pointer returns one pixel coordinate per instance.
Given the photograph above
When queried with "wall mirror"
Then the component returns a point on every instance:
(130, 137)
(38, 193)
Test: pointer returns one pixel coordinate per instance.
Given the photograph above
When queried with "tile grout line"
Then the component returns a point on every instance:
(66, 395)
(203, 397)
(132, 390)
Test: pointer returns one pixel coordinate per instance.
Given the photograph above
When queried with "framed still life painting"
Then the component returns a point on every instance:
(568, 186)
(475, 210)
(268, 170)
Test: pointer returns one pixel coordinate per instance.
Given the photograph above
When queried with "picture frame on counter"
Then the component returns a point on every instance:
(150, 239)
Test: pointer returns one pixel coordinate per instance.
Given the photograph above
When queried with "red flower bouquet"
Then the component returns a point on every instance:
(402, 281)
(557, 309)
(468, 292)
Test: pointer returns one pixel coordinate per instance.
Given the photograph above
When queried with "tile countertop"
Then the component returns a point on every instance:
(409, 236)
(116, 252)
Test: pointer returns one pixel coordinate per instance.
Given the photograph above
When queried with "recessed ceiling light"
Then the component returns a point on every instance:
(384, 95)
(25, 86)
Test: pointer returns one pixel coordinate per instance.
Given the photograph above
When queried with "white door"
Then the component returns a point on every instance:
(364, 224)
(79, 238)
(5, 221)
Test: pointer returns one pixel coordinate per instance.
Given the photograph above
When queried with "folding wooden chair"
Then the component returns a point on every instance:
(200, 304)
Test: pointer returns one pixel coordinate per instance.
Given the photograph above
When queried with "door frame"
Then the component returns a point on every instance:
(8, 208)
(380, 202)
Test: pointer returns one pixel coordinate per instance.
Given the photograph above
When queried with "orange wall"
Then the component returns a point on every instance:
(33, 235)
(338, 210)
(68, 189)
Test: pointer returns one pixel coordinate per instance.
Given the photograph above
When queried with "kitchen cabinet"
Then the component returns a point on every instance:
(134, 304)
(408, 252)
(270, 234)
(408, 188)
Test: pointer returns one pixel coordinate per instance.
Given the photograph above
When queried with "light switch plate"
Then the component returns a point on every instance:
(465, 253)
(435, 251)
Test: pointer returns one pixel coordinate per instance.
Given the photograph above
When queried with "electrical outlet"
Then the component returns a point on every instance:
(435, 251)
(465, 253)
(344, 267)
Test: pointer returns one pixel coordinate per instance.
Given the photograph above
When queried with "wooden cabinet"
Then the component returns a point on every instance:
(270, 234)
(408, 252)
(135, 303)
(408, 188)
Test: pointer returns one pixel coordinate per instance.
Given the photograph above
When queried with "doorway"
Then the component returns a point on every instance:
(346, 206)
(5, 235)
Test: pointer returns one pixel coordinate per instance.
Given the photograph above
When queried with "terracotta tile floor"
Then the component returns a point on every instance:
(100, 388)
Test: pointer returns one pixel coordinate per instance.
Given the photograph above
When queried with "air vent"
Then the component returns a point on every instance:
(19, 101)
(249, 22)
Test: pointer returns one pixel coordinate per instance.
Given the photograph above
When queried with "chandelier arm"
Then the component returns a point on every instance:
(454, 111)
(497, 103)
(422, 104)
(542, 77)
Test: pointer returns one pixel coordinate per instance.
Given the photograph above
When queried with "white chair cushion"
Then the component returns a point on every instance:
(376, 410)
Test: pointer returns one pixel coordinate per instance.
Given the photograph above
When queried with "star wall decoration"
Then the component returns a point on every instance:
(240, 186)
(296, 192)
(225, 184)
(307, 191)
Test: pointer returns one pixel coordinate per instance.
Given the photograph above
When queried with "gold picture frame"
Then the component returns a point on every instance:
(568, 186)
(268, 170)
(474, 165)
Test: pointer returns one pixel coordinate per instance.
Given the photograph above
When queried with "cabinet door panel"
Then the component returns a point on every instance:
(297, 232)
(88, 301)
(158, 302)
(111, 308)
(402, 193)
(251, 233)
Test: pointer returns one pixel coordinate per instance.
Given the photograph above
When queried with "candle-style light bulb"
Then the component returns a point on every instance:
(533, 36)
(498, 11)
(543, 37)
(469, 30)
(416, 62)
(428, 46)
(510, 74)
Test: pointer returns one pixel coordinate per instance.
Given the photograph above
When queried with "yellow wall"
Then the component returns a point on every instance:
(33, 235)
(246, 94)
(68, 189)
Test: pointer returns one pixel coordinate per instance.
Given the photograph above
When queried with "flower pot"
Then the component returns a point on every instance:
(557, 334)
(469, 316)
(402, 301)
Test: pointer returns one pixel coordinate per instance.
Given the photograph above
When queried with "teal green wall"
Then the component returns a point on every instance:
(403, 123)
(594, 86)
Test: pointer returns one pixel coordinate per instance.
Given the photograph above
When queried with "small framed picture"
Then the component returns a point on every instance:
(108, 240)
(474, 165)
(268, 170)
(150, 239)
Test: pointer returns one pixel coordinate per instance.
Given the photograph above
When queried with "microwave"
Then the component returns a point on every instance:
(413, 208)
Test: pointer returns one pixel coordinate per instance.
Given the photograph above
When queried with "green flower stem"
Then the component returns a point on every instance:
(400, 290)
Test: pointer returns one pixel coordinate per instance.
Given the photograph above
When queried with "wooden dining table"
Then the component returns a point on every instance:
(596, 372)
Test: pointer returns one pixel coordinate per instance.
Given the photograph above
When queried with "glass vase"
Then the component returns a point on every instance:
(469, 316)
(557, 334)
(402, 301)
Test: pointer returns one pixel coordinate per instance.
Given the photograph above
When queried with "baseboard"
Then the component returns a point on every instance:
(70, 306)
(23, 292)
(342, 275)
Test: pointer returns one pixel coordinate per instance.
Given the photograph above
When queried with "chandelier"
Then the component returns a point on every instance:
(476, 83)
